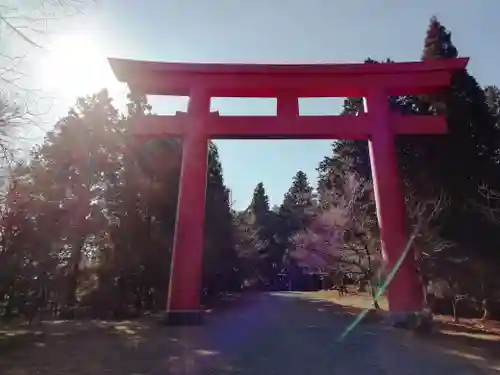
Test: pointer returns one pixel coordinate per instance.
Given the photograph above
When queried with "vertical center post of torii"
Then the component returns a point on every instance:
(287, 105)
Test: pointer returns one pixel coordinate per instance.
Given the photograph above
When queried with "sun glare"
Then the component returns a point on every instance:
(75, 65)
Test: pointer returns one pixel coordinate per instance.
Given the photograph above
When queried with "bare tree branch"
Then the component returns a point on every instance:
(19, 33)
(491, 208)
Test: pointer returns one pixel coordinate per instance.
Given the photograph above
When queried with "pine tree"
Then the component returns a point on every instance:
(438, 44)
(296, 212)
(89, 223)
(492, 94)
(348, 156)
(298, 205)
(425, 163)
(468, 164)
(473, 138)
(138, 105)
(259, 206)
(260, 219)
(455, 165)
(264, 248)
(220, 258)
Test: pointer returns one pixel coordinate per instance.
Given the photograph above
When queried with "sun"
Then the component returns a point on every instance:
(75, 65)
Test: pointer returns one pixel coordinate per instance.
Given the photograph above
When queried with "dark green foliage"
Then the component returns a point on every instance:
(296, 213)
(88, 225)
(461, 168)
(298, 205)
(221, 266)
(264, 250)
(259, 206)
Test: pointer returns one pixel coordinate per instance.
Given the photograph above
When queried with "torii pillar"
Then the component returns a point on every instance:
(405, 291)
(374, 82)
(187, 258)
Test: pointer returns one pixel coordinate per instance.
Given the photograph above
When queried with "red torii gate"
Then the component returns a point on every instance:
(201, 82)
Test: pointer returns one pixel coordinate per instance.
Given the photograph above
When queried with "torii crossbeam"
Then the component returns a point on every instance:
(201, 82)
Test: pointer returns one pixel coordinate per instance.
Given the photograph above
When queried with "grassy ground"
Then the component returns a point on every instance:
(470, 338)
(353, 299)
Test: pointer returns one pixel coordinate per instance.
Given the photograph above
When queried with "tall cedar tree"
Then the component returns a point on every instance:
(221, 267)
(90, 221)
(298, 206)
(267, 250)
(455, 165)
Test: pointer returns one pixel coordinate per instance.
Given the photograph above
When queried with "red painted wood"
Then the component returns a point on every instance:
(276, 127)
(404, 292)
(287, 83)
(402, 125)
(287, 106)
(302, 85)
(187, 256)
(271, 80)
(125, 68)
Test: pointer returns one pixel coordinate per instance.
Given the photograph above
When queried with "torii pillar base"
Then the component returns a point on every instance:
(405, 293)
(182, 318)
(183, 306)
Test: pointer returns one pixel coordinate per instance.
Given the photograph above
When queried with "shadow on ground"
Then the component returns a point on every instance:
(467, 342)
(262, 334)
(477, 345)
(136, 347)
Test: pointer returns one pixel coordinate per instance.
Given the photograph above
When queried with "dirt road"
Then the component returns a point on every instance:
(266, 334)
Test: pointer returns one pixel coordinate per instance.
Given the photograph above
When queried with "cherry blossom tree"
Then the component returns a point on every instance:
(343, 238)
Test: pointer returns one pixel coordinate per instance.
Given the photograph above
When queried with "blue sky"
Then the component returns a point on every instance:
(286, 31)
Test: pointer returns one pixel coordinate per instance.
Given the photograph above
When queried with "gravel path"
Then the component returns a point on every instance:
(278, 334)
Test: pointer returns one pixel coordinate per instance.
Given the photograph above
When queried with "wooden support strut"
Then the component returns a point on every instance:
(281, 127)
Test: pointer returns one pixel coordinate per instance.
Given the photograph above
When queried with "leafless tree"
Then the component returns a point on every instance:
(428, 245)
(343, 239)
(24, 26)
(345, 235)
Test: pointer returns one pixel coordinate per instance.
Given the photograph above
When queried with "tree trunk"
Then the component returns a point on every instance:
(74, 276)
(486, 310)
(9, 307)
(454, 307)
(372, 294)
(323, 283)
(484, 292)
(81, 209)
(362, 286)
(424, 282)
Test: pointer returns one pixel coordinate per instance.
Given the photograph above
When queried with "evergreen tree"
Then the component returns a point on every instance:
(458, 165)
(473, 138)
(438, 42)
(264, 249)
(426, 166)
(259, 206)
(221, 267)
(298, 204)
(492, 94)
(468, 164)
(295, 214)
(90, 221)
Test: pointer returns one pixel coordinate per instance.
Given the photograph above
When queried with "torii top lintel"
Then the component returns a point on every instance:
(286, 83)
(259, 80)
